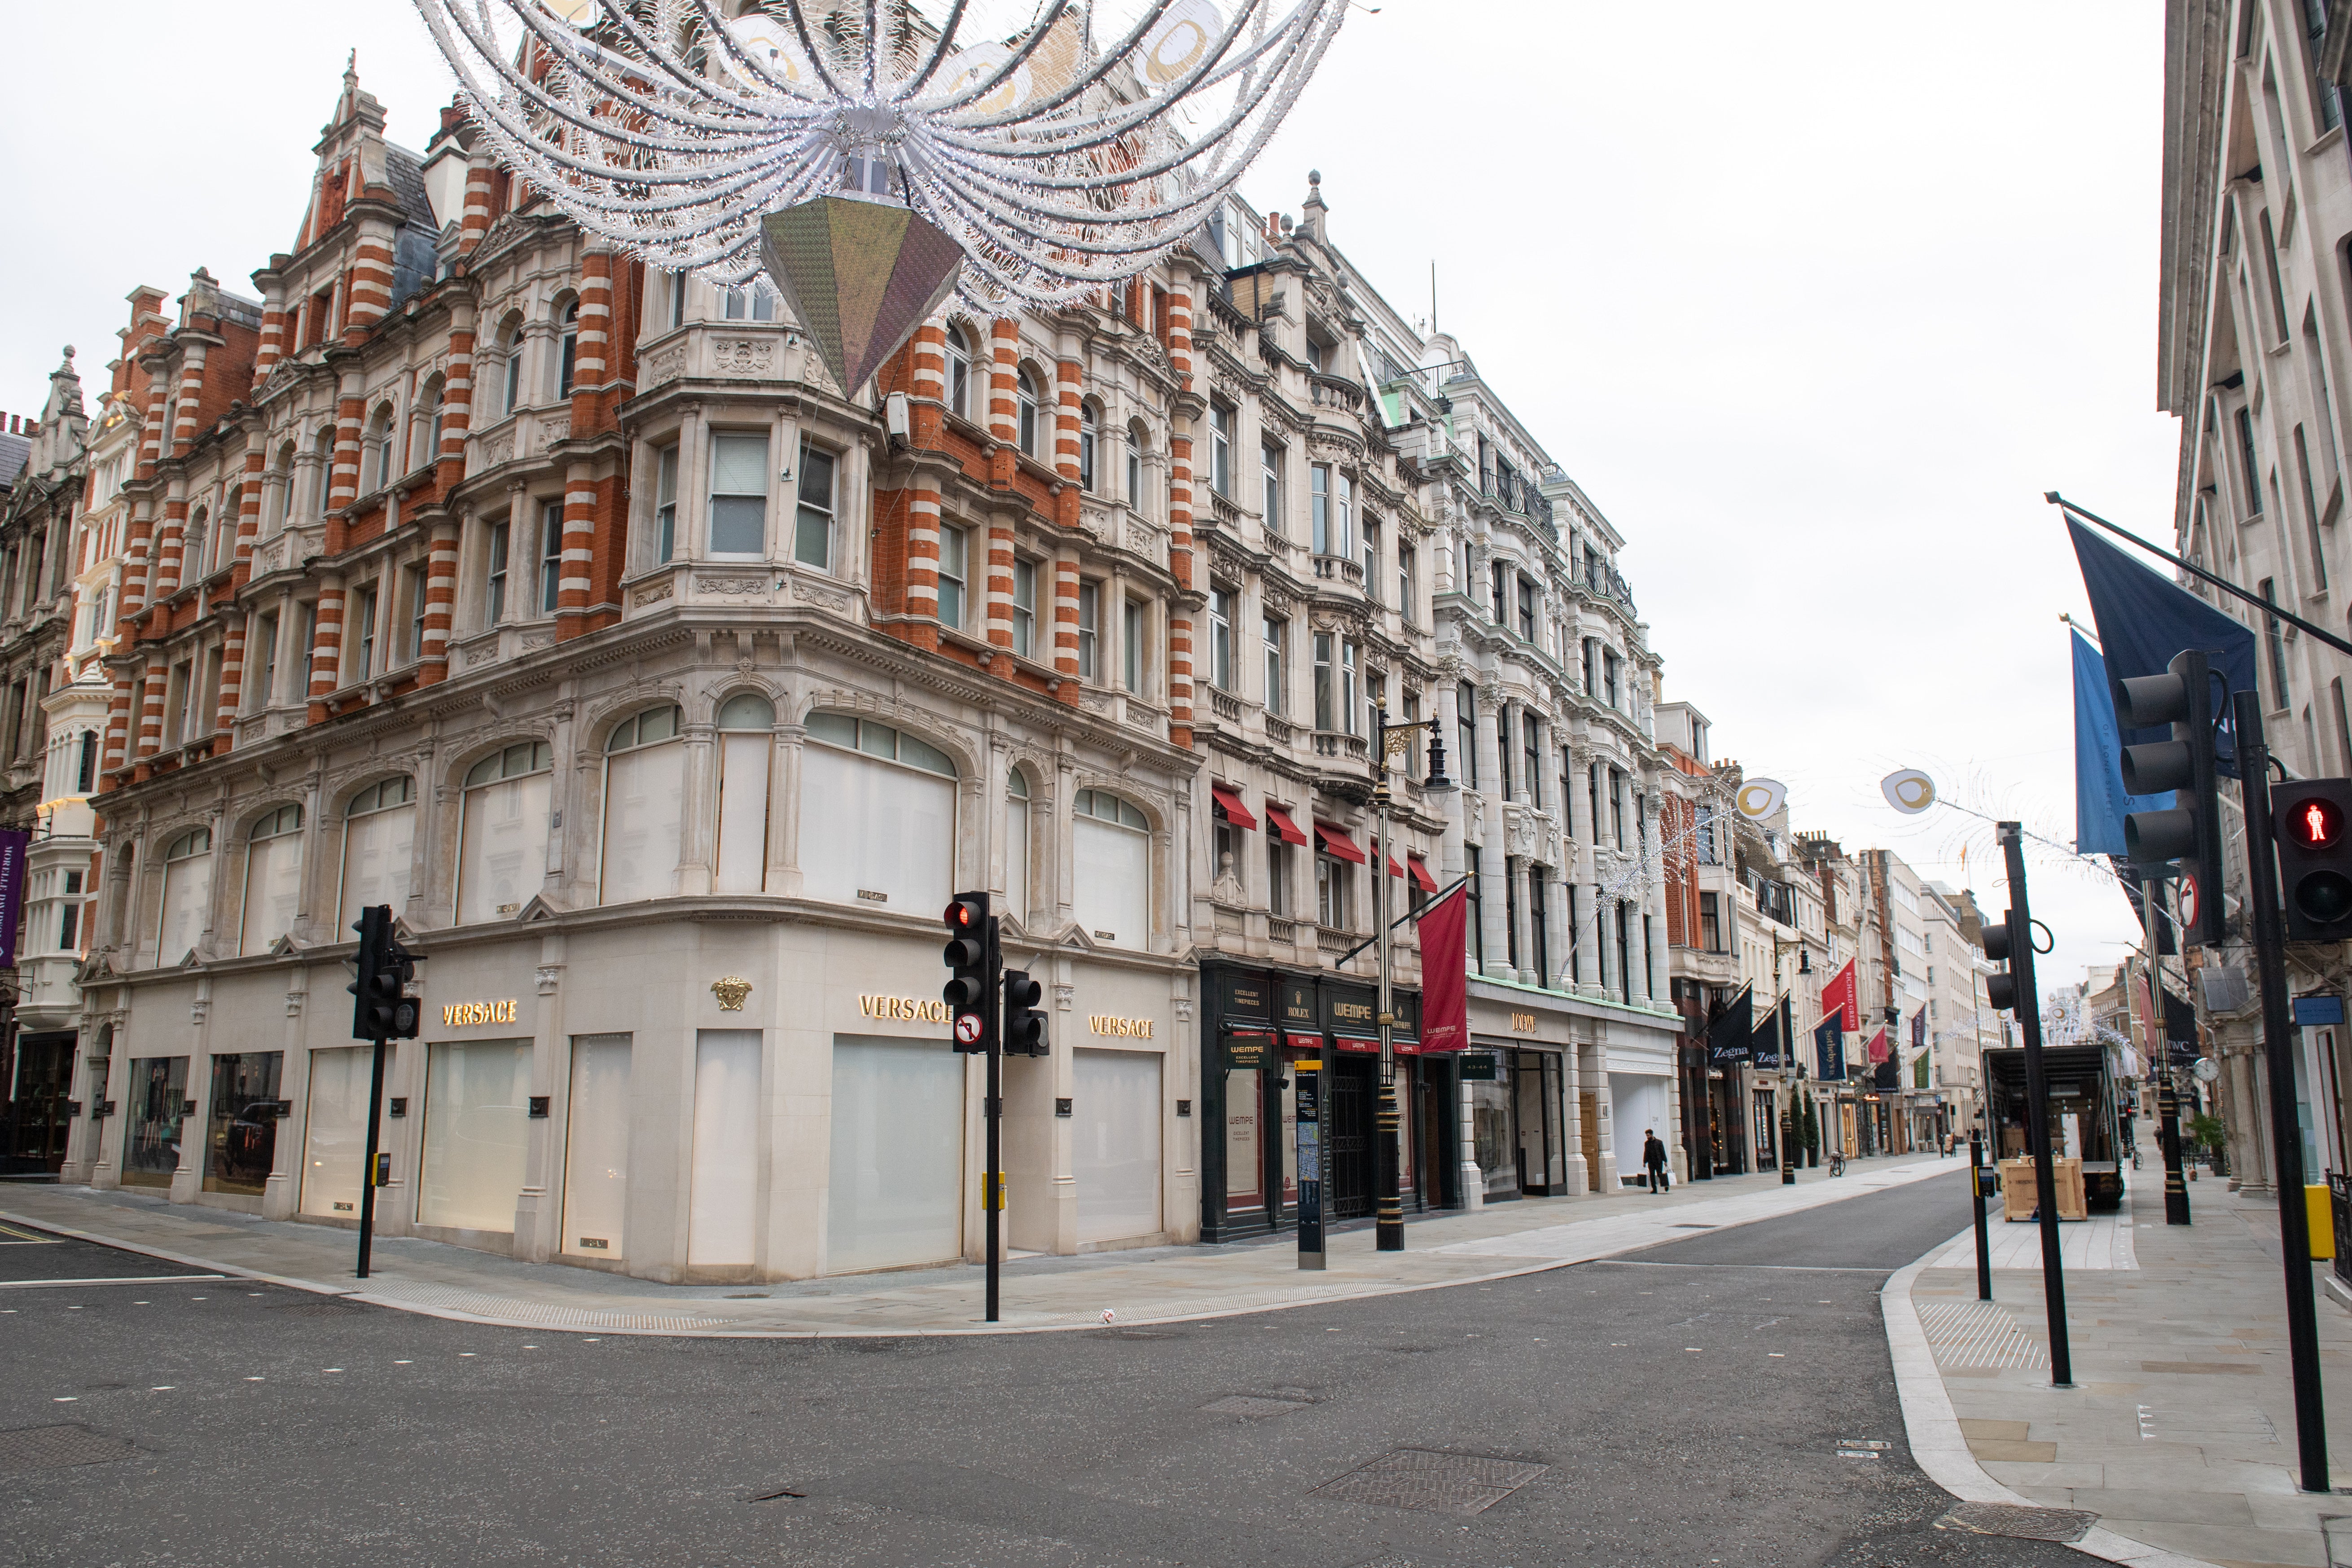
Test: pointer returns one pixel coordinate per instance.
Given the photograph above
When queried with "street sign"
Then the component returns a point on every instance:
(2187, 900)
(968, 1027)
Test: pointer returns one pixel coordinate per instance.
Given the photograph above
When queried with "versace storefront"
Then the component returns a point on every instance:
(677, 1100)
(1259, 1026)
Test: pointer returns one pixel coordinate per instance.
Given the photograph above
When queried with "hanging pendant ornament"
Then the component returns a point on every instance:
(1908, 791)
(1049, 151)
(1759, 798)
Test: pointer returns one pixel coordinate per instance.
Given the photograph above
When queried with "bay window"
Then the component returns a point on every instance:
(666, 503)
(738, 496)
(812, 542)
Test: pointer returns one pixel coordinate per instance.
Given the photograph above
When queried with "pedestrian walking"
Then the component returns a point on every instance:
(1653, 1160)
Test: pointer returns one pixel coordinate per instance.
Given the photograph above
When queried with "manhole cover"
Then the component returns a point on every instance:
(1251, 1407)
(2062, 1524)
(1430, 1481)
(55, 1448)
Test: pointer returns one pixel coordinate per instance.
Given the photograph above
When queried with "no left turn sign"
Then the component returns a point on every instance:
(967, 1028)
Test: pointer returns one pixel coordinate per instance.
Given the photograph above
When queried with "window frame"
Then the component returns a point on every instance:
(954, 574)
(550, 557)
(1027, 398)
(824, 512)
(713, 495)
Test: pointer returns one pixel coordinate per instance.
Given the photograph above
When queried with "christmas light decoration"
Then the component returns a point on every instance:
(1059, 146)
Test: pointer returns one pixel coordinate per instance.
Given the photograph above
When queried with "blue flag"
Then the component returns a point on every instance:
(2143, 620)
(2100, 802)
(1829, 1051)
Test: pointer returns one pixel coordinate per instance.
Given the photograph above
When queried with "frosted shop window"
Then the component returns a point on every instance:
(958, 373)
(747, 723)
(645, 798)
(187, 893)
(1016, 843)
(877, 815)
(1110, 851)
(738, 496)
(1026, 396)
(502, 832)
(379, 836)
(273, 878)
(476, 1133)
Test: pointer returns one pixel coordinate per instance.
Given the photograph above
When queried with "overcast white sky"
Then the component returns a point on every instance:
(1815, 303)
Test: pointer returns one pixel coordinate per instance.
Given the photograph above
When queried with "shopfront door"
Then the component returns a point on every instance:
(40, 1117)
(151, 1131)
(1355, 1090)
(1542, 1141)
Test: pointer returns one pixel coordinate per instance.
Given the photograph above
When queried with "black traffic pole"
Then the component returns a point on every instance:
(2278, 1051)
(1976, 1192)
(992, 1186)
(2168, 1142)
(371, 1178)
(2037, 1101)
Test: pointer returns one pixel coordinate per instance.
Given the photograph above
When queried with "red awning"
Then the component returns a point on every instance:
(1278, 821)
(1421, 876)
(1353, 1042)
(1337, 844)
(1304, 1042)
(1235, 812)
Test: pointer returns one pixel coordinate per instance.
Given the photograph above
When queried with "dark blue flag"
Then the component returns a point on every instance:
(2143, 620)
(1726, 1038)
(2100, 802)
(1829, 1051)
(1766, 1049)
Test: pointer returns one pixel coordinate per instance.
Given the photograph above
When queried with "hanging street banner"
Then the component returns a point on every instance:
(12, 843)
(1728, 1036)
(1766, 1049)
(2143, 620)
(2100, 803)
(1829, 1051)
(1445, 973)
(1877, 1050)
(1842, 999)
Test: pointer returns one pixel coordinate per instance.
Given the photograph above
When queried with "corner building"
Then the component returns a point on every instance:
(666, 693)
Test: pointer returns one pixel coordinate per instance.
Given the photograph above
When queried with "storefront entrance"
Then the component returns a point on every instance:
(151, 1131)
(40, 1115)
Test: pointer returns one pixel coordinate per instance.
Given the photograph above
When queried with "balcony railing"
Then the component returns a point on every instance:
(1280, 930)
(1332, 744)
(1280, 732)
(1342, 568)
(1225, 707)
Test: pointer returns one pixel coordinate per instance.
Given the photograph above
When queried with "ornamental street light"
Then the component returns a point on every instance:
(1392, 740)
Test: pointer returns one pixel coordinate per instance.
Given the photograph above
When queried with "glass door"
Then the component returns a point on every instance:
(151, 1132)
(241, 1137)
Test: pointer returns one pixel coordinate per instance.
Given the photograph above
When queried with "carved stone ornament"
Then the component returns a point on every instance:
(731, 993)
(498, 449)
(742, 356)
(837, 600)
(654, 593)
(557, 428)
(737, 587)
(666, 366)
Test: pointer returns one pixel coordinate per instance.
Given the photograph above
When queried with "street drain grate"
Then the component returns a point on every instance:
(1432, 1482)
(2060, 1524)
(57, 1447)
(1251, 1407)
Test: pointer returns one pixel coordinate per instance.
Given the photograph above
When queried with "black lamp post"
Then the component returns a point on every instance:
(1392, 740)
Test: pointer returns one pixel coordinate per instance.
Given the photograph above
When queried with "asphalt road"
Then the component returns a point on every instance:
(1683, 1406)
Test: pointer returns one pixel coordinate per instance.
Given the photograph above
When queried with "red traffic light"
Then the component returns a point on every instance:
(2314, 823)
(968, 911)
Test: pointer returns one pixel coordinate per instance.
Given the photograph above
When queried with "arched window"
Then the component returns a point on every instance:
(1016, 843)
(568, 355)
(1027, 394)
(379, 838)
(1089, 436)
(273, 879)
(877, 815)
(511, 341)
(433, 413)
(1138, 442)
(188, 893)
(377, 453)
(747, 723)
(1110, 867)
(323, 468)
(281, 506)
(502, 832)
(958, 373)
(192, 548)
(645, 800)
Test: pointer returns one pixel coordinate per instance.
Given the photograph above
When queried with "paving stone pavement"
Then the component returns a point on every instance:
(2180, 1432)
(1141, 1287)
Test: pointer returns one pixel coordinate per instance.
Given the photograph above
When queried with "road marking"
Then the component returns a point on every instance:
(128, 1280)
(1779, 1268)
(28, 1239)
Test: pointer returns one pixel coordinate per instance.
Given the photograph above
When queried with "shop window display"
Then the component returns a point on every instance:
(241, 1135)
(157, 1093)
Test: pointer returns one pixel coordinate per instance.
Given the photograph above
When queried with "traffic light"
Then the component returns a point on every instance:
(970, 956)
(2312, 819)
(1024, 1026)
(384, 1012)
(2190, 831)
(2001, 990)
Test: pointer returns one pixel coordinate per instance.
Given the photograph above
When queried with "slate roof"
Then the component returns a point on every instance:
(14, 452)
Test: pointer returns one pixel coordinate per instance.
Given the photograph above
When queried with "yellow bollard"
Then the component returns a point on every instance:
(2321, 1215)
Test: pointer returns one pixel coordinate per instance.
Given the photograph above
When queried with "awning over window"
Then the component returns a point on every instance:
(1421, 876)
(1396, 867)
(1235, 812)
(1337, 844)
(1279, 823)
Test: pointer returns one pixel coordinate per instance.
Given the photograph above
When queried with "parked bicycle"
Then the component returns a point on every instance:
(1837, 1162)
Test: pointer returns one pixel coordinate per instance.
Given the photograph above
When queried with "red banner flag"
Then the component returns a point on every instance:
(1445, 973)
(1841, 1000)
(1877, 1051)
